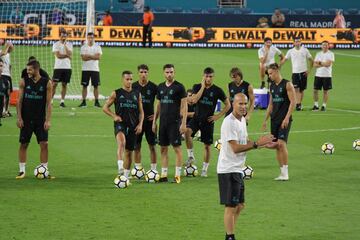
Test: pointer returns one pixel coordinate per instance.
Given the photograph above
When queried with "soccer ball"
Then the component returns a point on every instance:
(248, 172)
(356, 144)
(217, 144)
(41, 172)
(138, 172)
(152, 176)
(327, 148)
(121, 182)
(191, 171)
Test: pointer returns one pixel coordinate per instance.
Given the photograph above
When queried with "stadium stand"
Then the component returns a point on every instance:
(316, 11)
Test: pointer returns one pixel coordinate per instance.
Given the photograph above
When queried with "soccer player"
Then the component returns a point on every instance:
(128, 120)
(235, 144)
(2, 87)
(267, 56)
(6, 76)
(148, 91)
(238, 85)
(34, 114)
(281, 105)
(205, 96)
(90, 54)
(323, 63)
(25, 76)
(172, 109)
(62, 50)
(300, 57)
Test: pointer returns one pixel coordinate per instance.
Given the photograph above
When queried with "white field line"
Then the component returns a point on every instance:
(348, 55)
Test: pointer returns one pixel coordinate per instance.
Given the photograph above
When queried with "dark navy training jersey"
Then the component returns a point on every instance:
(280, 101)
(34, 99)
(206, 105)
(191, 109)
(148, 94)
(234, 89)
(42, 72)
(170, 101)
(127, 106)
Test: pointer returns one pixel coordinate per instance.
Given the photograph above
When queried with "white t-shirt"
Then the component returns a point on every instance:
(271, 55)
(298, 59)
(323, 57)
(232, 129)
(63, 63)
(91, 65)
(6, 68)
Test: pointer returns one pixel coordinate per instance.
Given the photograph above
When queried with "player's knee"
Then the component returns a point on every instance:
(24, 146)
(44, 145)
(281, 144)
(152, 148)
(163, 150)
(207, 147)
(240, 207)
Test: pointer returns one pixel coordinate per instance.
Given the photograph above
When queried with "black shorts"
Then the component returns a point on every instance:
(31, 127)
(87, 75)
(206, 128)
(169, 133)
(130, 136)
(149, 134)
(62, 75)
(278, 132)
(299, 80)
(231, 188)
(8, 83)
(322, 83)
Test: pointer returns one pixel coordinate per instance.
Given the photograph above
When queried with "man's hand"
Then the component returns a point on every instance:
(264, 140)
(151, 117)
(213, 118)
(263, 127)
(138, 129)
(182, 128)
(20, 123)
(47, 125)
(117, 119)
(154, 128)
(285, 123)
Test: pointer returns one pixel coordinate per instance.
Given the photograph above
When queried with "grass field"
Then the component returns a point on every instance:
(319, 202)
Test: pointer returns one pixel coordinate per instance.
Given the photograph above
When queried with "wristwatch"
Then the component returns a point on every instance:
(255, 146)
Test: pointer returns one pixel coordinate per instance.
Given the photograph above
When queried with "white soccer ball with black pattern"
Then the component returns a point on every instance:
(152, 176)
(138, 172)
(356, 145)
(191, 171)
(217, 144)
(248, 172)
(41, 172)
(121, 182)
(328, 148)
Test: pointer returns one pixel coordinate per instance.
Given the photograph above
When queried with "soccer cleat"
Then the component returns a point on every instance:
(62, 104)
(204, 173)
(97, 104)
(282, 178)
(323, 108)
(83, 104)
(262, 85)
(298, 107)
(21, 175)
(177, 179)
(190, 161)
(163, 179)
(121, 172)
(315, 108)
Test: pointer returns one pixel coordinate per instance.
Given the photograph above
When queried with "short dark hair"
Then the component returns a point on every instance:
(267, 39)
(236, 71)
(297, 39)
(146, 8)
(90, 34)
(325, 42)
(34, 64)
(274, 66)
(143, 66)
(31, 58)
(208, 70)
(168, 66)
(126, 72)
(189, 90)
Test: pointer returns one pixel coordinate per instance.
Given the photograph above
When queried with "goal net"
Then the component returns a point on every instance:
(33, 26)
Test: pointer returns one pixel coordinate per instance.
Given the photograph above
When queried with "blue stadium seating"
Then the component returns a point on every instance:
(245, 10)
(196, 10)
(213, 10)
(177, 9)
(353, 11)
(317, 11)
(126, 9)
(299, 11)
(160, 10)
(331, 11)
(285, 11)
(228, 11)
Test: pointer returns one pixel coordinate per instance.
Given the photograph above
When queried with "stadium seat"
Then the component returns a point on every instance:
(331, 11)
(196, 10)
(177, 10)
(300, 11)
(317, 11)
(213, 10)
(245, 10)
(228, 11)
(353, 11)
(126, 9)
(160, 9)
(285, 11)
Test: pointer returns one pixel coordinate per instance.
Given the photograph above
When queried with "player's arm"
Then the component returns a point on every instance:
(20, 122)
(251, 102)
(190, 114)
(138, 128)
(222, 112)
(156, 116)
(107, 110)
(310, 62)
(96, 56)
(291, 95)
(281, 56)
(48, 105)
(327, 63)
(268, 112)
(61, 56)
(5, 50)
(196, 96)
(261, 142)
(68, 51)
(183, 113)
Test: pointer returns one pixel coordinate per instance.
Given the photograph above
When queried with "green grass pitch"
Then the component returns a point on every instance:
(319, 202)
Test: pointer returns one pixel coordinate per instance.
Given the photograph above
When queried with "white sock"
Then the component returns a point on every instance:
(120, 165)
(190, 153)
(164, 172)
(62, 100)
(177, 171)
(22, 167)
(285, 170)
(126, 173)
(205, 166)
(324, 104)
(138, 165)
(45, 164)
(153, 166)
(316, 104)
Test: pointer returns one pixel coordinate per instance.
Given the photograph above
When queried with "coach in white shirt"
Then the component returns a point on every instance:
(6, 76)
(232, 157)
(90, 54)
(323, 76)
(62, 50)
(267, 55)
(300, 57)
